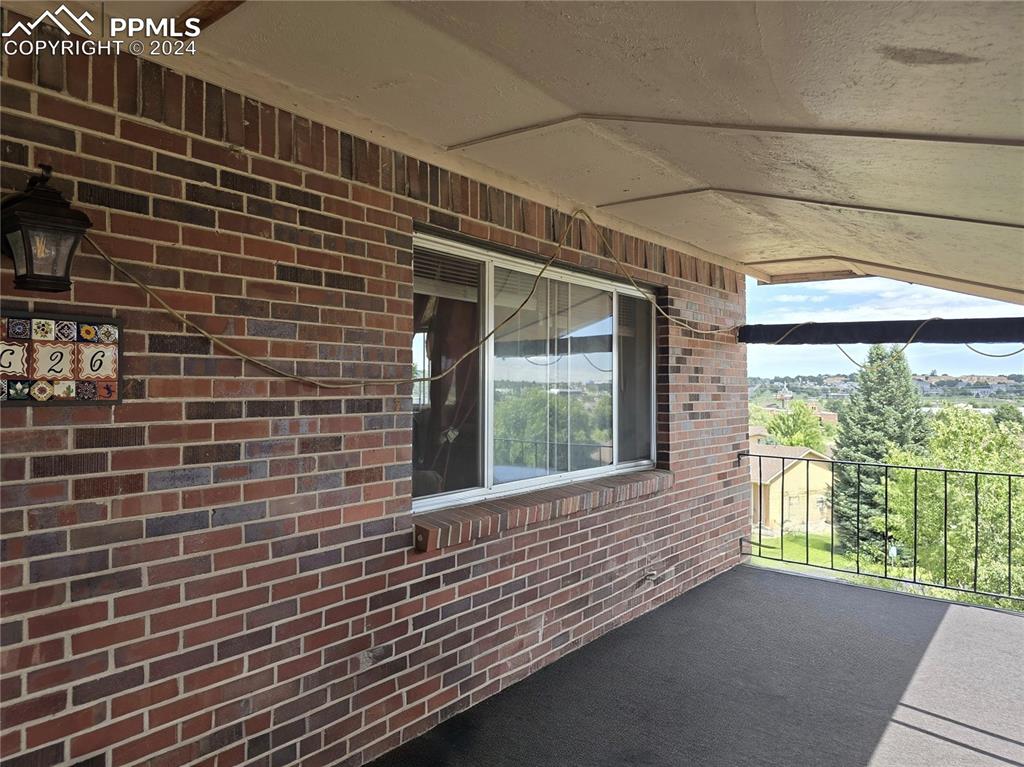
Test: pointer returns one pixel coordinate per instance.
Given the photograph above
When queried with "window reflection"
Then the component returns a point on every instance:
(446, 412)
(552, 378)
(565, 386)
(635, 362)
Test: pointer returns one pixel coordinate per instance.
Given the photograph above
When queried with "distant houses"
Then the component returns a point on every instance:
(976, 386)
(782, 389)
(923, 385)
(758, 435)
(824, 416)
(783, 395)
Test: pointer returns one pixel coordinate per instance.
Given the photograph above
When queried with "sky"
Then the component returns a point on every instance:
(870, 298)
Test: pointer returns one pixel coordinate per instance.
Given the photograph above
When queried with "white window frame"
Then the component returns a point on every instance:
(490, 259)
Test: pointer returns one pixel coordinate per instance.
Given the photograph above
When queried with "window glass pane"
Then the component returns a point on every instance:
(526, 377)
(446, 413)
(552, 378)
(635, 366)
(48, 246)
(17, 250)
(589, 347)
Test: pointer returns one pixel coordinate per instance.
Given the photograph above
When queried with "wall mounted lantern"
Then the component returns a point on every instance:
(41, 232)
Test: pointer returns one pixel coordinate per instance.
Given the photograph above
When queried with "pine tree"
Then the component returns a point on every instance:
(883, 414)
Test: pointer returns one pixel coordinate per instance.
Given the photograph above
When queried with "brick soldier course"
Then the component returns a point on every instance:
(222, 569)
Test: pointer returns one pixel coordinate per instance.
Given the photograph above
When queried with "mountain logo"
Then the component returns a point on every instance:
(54, 18)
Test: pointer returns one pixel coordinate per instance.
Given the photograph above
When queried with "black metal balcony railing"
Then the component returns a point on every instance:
(935, 527)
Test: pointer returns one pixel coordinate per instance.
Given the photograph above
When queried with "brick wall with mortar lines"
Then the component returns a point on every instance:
(220, 570)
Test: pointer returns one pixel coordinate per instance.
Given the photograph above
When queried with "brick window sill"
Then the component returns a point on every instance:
(445, 528)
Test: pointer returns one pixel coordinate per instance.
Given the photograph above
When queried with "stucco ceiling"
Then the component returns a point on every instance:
(790, 140)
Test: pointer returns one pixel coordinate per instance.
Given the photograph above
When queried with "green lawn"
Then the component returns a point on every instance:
(797, 546)
(815, 549)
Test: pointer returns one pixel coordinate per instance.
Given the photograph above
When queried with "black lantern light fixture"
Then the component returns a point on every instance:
(41, 232)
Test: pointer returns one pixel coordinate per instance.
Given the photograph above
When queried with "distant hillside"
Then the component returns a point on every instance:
(934, 386)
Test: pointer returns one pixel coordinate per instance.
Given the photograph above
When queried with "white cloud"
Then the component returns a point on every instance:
(792, 298)
(885, 299)
(858, 286)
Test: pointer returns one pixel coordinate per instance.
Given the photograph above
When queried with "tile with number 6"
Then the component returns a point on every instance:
(97, 362)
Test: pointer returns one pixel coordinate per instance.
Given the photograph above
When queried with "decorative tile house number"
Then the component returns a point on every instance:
(50, 359)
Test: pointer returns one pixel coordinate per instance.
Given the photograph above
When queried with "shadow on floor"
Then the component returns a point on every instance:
(752, 668)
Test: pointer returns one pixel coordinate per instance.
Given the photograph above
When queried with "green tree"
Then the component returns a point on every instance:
(836, 405)
(536, 428)
(1008, 413)
(759, 416)
(798, 426)
(883, 414)
(949, 523)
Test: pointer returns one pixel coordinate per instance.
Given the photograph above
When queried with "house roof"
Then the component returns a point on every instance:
(769, 466)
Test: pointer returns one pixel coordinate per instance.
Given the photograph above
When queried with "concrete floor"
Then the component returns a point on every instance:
(762, 668)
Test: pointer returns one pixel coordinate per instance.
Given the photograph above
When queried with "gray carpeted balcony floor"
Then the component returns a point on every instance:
(762, 668)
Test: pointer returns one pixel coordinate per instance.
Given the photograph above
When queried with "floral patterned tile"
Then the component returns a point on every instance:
(42, 330)
(85, 390)
(67, 360)
(18, 389)
(42, 391)
(19, 329)
(65, 330)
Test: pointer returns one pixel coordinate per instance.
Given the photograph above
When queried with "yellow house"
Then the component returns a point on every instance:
(758, 435)
(798, 491)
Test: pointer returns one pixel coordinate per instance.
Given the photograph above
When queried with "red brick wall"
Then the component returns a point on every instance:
(220, 570)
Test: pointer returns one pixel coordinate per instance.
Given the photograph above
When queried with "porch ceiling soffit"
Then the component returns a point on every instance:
(783, 139)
